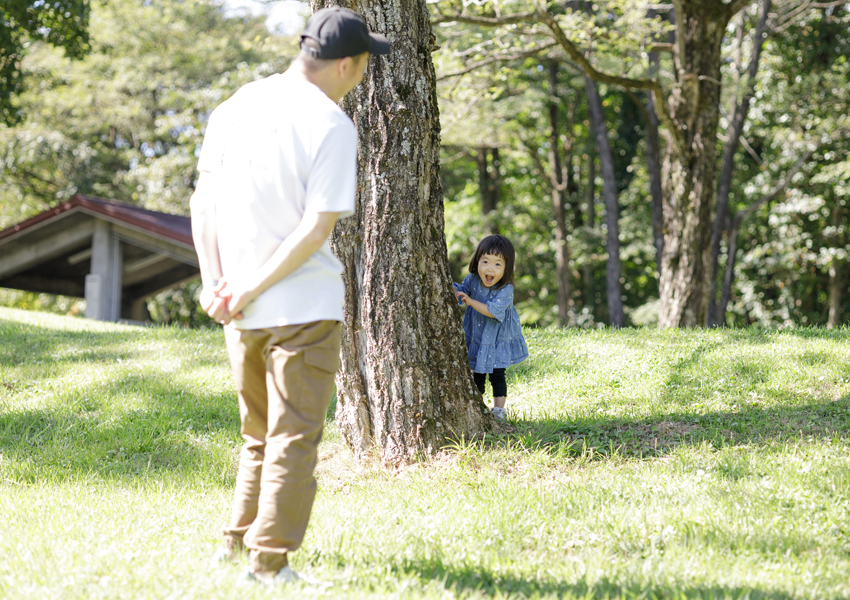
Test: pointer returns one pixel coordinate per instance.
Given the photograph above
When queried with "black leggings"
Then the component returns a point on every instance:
(497, 380)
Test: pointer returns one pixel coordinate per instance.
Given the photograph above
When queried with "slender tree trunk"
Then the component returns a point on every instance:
(689, 170)
(729, 276)
(836, 270)
(483, 180)
(616, 316)
(489, 178)
(495, 178)
(736, 127)
(836, 292)
(731, 258)
(653, 166)
(569, 173)
(557, 174)
(573, 195)
(590, 192)
(589, 283)
(405, 385)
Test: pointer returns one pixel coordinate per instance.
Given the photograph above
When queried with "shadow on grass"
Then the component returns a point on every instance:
(639, 438)
(27, 344)
(131, 426)
(464, 580)
(770, 415)
(28, 351)
(38, 343)
(767, 415)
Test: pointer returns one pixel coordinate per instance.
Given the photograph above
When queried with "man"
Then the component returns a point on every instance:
(277, 169)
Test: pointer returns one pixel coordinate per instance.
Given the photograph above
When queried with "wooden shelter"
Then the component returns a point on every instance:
(112, 254)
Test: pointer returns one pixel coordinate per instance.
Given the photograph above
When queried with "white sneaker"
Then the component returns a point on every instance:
(499, 413)
(285, 576)
(225, 555)
(221, 556)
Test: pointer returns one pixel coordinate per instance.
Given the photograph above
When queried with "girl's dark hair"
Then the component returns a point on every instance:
(497, 245)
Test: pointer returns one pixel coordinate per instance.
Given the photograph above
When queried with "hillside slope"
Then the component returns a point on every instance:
(638, 463)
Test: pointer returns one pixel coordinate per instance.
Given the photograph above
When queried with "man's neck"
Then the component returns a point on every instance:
(317, 78)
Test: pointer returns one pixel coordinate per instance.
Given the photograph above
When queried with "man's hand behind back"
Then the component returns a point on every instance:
(215, 303)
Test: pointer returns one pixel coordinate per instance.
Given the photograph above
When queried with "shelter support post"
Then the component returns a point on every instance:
(103, 283)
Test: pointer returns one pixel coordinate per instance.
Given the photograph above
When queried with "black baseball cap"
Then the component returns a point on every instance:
(341, 32)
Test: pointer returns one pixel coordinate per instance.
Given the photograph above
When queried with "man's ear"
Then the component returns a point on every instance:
(344, 65)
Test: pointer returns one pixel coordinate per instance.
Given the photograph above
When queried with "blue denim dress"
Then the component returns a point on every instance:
(493, 343)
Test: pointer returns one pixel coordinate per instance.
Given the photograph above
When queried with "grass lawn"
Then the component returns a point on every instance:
(644, 464)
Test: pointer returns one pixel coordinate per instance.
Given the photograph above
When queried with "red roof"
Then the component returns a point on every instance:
(175, 227)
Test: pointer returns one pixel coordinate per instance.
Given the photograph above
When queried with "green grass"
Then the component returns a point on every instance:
(639, 464)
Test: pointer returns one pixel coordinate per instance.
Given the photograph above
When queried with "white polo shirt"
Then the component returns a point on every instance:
(277, 149)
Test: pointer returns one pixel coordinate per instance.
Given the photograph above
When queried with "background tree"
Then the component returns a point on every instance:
(60, 23)
(791, 247)
(125, 121)
(510, 94)
(687, 102)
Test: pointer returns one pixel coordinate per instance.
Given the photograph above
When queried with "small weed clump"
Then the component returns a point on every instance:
(635, 464)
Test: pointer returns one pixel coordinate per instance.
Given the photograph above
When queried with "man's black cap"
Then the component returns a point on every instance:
(341, 32)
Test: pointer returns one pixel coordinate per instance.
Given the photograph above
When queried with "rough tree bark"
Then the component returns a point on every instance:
(405, 385)
(616, 317)
(689, 171)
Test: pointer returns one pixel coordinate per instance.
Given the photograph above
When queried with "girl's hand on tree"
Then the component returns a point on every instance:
(463, 298)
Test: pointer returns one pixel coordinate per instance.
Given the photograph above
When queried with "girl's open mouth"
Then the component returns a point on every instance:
(488, 278)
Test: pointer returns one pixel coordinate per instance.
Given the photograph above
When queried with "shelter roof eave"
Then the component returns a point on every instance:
(175, 228)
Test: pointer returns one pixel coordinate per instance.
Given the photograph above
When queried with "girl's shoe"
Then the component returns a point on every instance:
(499, 413)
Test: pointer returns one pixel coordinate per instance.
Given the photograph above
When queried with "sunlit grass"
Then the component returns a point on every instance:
(637, 464)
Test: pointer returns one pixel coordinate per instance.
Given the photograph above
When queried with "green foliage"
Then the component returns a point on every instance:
(180, 306)
(126, 122)
(790, 246)
(507, 107)
(787, 249)
(60, 23)
(641, 464)
(62, 305)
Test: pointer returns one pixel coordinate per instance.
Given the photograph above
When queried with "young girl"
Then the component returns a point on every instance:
(491, 323)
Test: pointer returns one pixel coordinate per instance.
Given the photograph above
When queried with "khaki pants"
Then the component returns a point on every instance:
(284, 379)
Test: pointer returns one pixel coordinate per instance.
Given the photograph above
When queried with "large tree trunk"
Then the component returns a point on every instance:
(616, 317)
(405, 385)
(690, 164)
